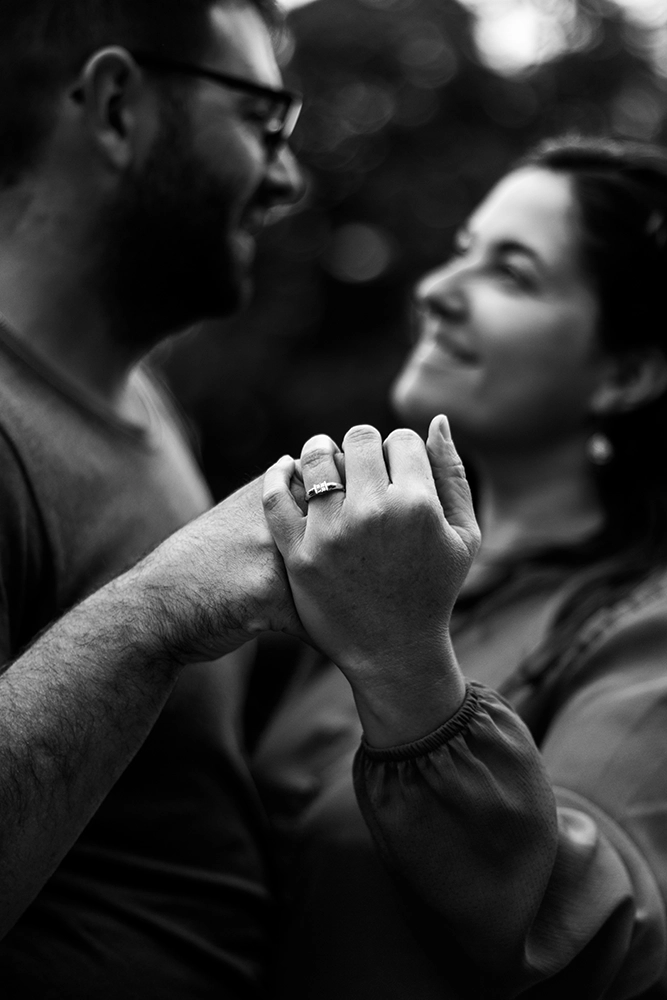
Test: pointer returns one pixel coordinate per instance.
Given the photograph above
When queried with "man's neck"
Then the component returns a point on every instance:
(51, 307)
(75, 350)
(51, 295)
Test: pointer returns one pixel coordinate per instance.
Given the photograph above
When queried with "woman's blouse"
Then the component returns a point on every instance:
(523, 844)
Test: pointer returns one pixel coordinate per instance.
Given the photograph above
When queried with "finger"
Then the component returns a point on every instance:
(318, 466)
(282, 512)
(365, 467)
(451, 481)
(297, 488)
(339, 459)
(407, 461)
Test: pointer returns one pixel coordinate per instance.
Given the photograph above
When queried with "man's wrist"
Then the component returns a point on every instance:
(182, 621)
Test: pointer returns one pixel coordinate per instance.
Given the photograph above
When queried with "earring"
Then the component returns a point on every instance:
(599, 449)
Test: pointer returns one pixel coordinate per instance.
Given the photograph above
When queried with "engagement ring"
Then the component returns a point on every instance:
(320, 488)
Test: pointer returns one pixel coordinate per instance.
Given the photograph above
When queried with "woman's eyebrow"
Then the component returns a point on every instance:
(464, 236)
(516, 246)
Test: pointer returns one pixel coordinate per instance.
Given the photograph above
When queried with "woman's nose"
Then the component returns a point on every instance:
(443, 291)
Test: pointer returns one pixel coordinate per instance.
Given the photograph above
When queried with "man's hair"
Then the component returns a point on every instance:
(44, 43)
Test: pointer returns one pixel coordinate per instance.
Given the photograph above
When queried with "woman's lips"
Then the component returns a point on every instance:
(436, 331)
(442, 341)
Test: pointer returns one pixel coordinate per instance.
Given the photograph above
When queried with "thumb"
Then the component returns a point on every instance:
(451, 483)
(283, 512)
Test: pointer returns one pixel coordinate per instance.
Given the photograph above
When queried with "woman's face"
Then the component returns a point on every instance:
(507, 343)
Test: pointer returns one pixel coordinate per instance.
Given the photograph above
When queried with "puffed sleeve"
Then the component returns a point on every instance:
(548, 868)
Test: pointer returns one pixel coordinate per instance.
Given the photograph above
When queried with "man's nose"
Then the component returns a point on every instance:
(284, 179)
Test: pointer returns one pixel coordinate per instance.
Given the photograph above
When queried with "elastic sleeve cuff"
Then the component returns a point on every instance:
(433, 741)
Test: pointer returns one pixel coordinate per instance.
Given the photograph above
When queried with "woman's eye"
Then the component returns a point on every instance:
(514, 274)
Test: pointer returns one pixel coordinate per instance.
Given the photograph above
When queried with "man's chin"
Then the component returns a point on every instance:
(244, 248)
(219, 291)
(242, 296)
(242, 285)
(232, 298)
(212, 302)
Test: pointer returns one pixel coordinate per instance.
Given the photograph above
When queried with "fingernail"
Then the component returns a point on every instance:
(443, 427)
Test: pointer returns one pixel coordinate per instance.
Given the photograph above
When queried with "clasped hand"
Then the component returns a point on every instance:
(374, 571)
(369, 574)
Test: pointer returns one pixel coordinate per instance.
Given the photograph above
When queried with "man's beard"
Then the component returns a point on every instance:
(169, 260)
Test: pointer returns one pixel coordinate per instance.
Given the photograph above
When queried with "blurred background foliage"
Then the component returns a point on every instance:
(412, 110)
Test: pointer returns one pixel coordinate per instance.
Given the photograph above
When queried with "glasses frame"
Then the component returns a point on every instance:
(291, 101)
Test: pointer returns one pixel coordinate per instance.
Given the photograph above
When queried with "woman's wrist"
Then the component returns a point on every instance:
(401, 706)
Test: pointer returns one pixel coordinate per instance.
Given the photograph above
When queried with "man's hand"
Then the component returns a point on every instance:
(220, 581)
(375, 570)
(77, 705)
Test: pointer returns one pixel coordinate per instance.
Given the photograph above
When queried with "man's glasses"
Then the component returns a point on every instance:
(284, 106)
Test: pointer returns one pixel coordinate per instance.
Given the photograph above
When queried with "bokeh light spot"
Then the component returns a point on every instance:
(359, 252)
(364, 107)
(637, 114)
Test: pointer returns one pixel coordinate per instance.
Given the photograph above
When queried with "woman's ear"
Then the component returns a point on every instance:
(631, 380)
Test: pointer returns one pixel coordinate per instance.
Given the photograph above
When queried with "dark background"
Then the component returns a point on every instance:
(404, 129)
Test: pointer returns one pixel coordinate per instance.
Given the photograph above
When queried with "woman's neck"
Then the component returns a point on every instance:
(531, 501)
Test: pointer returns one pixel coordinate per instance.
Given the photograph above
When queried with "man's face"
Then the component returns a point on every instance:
(183, 228)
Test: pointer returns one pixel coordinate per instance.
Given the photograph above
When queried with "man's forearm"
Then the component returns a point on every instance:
(74, 709)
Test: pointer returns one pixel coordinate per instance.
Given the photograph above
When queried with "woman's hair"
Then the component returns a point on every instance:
(620, 190)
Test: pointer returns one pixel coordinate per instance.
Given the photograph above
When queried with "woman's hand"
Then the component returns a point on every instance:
(375, 570)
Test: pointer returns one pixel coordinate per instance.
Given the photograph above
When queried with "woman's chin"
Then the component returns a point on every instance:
(412, 407)
(413, 416)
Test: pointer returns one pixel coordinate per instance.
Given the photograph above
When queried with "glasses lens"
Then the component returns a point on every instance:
(280, 122)
(291, 116)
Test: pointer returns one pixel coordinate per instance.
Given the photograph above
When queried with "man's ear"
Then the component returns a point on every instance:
(631, 380)
(109, 90)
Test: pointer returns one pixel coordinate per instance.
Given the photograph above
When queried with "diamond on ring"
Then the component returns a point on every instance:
(320, 488)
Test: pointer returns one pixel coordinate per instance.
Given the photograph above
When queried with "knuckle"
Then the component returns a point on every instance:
(319, 443)
(272, 499)
(417, 496)
(373, 516)
(423, 511)
(338, 540)
(370, 509)
(315, 457)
